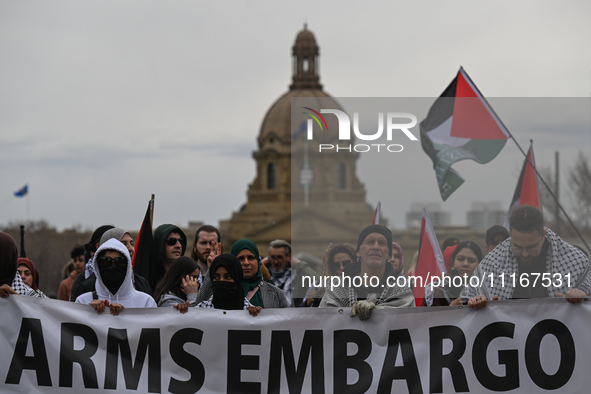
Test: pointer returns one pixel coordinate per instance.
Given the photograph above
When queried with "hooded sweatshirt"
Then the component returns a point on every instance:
(161, 234)
(126, 295)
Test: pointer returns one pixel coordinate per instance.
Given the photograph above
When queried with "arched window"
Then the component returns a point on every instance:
(271, 176)
(341, 176)
(305, 65)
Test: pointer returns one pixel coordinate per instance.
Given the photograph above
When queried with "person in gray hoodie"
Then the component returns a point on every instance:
(114, 288)
(180, 283)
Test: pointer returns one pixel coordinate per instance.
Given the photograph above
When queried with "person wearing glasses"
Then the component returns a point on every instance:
(533, 262)
(114, 286)
(170, 243)
(88, 285)
(336, 259)
(287, 271)
(371, 285)
(494, 236)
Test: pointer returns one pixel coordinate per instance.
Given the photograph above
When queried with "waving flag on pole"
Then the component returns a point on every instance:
(527, 191)
(23, 191)
(460, 125)
(377, 213)
(430, 262)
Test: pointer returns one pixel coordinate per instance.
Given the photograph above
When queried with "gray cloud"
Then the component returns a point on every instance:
(151, 97)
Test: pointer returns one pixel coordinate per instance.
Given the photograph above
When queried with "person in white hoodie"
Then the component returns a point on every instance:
(114, 286)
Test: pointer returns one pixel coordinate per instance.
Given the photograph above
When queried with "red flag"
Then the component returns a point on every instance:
(430, 262)
(143, 259)
(527, 191)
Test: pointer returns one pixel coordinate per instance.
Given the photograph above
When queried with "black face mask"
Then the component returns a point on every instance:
(227, 295)
(113, 276)
(224, 290)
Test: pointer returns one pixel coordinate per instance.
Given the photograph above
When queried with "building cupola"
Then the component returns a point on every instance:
(305, 53)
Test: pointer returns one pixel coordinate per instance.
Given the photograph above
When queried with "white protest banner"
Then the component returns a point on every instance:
(532, 346)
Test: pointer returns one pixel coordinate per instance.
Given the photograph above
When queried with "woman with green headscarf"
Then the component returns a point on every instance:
(257, 291)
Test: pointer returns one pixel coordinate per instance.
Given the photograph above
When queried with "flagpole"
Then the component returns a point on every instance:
(152, 210)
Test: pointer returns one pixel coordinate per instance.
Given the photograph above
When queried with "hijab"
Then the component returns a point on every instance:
(116, 233)
(250, 284)
(29, 264)
(8, 257)
(400, 256)
(227, 295)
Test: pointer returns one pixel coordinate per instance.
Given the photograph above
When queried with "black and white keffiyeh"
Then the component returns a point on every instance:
(390, 296)
(562, 259)
(208, 304)
(282, 280)
(89, 268)
(21, 288)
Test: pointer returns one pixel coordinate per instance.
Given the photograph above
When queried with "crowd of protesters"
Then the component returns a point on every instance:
(102, 274)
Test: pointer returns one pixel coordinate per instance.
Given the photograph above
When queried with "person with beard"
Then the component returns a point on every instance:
(374, 248)
(531, 250)
(226, 277)
(206, 240)
(11, 281)
(286, 271)
(114, 287)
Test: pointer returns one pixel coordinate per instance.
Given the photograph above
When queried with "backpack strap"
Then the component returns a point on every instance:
(253, 291)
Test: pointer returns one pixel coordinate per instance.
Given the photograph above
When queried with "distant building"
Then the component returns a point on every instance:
(309, 199)
(436, 215)
(484, 215)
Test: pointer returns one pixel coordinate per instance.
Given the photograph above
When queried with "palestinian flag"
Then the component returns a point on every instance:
(430, 262)
(460, 125)
(527, 191)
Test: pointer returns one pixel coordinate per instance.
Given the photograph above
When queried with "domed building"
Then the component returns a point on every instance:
(310, 199)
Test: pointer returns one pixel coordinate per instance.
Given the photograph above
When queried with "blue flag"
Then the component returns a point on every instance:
(23, 191)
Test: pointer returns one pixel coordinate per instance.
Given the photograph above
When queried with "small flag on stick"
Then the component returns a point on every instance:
(377, 213)
(527, 191)
(430, 262)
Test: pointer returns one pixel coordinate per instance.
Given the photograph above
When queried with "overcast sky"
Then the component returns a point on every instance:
(104, 102)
